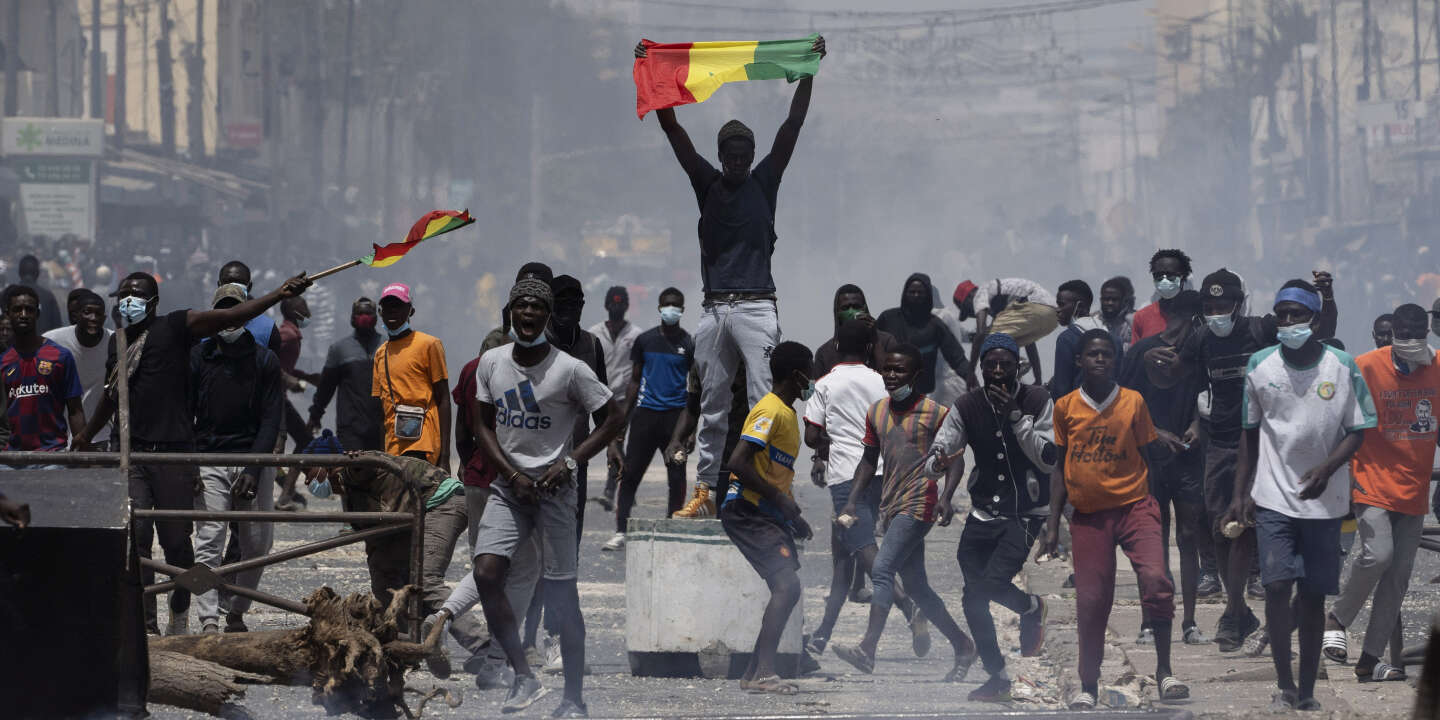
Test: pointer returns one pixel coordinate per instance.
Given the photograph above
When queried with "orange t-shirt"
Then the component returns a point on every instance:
(1391, 470)
(1104, 467)
(417, 362)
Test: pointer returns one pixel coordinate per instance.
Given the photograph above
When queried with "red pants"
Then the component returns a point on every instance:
(1135, 528)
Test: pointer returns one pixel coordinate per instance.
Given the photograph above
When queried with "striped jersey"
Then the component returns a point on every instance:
(38, 387)
(904, 438)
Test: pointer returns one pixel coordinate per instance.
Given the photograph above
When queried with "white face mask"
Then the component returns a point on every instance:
(902, 393)
(670, 314)
(1168, 287)
(1221, 325)
(230, 335)
(1415, 352)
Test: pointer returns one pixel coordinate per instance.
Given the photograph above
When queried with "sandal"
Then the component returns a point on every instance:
(855, 656)
(772, 684)
(1172, 689)
(961, 667)
(1382, 672)
(1335, 646)
(1083, 701)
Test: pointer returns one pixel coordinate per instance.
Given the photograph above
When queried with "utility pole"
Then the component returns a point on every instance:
(1335, 111)
(145, 68)
(1364, 93)
(97, 64)
(12, 60)
(340, 170)
(121, 50)
(52, 33)
(166, 73)
(1415, 28)
(195, 80)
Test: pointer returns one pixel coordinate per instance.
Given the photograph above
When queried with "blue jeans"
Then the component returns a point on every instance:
(902, 551)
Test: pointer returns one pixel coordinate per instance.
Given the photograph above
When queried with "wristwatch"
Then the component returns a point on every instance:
(571, 465)
(1015, 415)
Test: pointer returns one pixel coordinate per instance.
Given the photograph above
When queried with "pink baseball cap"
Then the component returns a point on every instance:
(399, 291)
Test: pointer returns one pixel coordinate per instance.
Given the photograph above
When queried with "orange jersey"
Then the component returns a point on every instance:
(1102, 442)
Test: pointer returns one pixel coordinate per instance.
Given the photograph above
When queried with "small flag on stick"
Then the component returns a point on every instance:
(435, 222)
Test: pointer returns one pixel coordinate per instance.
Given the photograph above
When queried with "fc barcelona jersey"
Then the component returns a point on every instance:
(37, 388)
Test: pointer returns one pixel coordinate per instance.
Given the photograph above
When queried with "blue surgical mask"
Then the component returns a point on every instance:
(1221, 325)
(319, 489)
(230, 335)
(538, 341)
(302, 322)
(397, 332)
(902, 393)
(1168, 287)
(1293, 336)
(670, 315)
(132, 309)
(808, 391)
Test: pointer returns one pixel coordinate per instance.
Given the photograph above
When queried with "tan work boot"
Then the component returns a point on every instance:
(701, 505)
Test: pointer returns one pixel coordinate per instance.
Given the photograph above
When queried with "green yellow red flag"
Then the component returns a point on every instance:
(673, 74)
(435, 222)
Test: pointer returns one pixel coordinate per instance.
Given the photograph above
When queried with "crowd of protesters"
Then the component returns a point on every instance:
(1252, 436)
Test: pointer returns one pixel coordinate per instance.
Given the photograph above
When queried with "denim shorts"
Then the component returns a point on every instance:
(1303, 549)
(862, 534)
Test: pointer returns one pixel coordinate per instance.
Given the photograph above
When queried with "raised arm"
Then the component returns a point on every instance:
(204, 323)
(789, 132)
(1329, 317)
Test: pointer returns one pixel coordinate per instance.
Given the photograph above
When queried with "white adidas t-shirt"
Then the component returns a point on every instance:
(842, 399)
(1303, 413)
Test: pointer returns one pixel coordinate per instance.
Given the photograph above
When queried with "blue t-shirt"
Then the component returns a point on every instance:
(664, 365)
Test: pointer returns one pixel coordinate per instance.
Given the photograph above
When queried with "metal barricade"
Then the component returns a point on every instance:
(201, 578)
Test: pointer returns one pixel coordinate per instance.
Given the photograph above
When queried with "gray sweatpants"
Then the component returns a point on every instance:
(255, 538)
(1388, 541)
(730, 334)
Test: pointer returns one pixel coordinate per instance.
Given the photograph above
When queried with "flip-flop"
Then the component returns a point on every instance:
(1382, 672)
(961, 667)
(771, 684)
(1083, 701)
(1335, 646)
(1172, 689)
(855, 656)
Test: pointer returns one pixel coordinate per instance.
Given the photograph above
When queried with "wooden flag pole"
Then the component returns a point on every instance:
(333, 270)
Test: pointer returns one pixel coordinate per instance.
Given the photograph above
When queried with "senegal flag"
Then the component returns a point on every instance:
(682, 73)
(435, 222)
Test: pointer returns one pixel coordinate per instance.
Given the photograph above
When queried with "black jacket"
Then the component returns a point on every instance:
(1011, 474)
(237, 396)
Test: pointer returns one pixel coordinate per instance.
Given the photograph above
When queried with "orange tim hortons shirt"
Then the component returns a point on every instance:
(1102, 442)
(417, 362)
(1391, 470)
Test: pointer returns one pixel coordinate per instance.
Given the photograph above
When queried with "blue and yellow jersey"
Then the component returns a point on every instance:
(774, 427)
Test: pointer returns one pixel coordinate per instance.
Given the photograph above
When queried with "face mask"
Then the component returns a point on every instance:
(849, 314)
(1221, 325)
(302, 322)
(670, 315)
(1167, 287)
(1416, 352)
(538, 341)
(230, 335)
(902, 393)
(132, 309)
(397, 332)
(1293, 336)
(364, 322)
(808, 391)
(319, 489)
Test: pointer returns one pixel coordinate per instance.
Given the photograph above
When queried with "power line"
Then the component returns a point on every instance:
(980, 16)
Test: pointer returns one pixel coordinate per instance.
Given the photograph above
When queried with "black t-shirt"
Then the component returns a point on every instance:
(1172, 408)
(1222, 362)
(737, 229)
(160, 387)
(931, 338)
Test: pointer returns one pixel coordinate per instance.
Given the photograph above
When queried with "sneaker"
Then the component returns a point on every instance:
(701, 505)
(1208, 586)
(1256, 644)
(1193, 635)
(235, 623)
(1227, 634)
(1083, 701)
(211, 628)
(855, 656)
(961, 666)
(996, 689)
(490, 673)
(179, 624)
(523, 693)
(1250, 624)
(616, 542)
(554, 662)
(1069, 584)
(1032, 629)
(1147, 637)
(919, 634)
(570, 709)
(438, 662)
(1253, 589)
